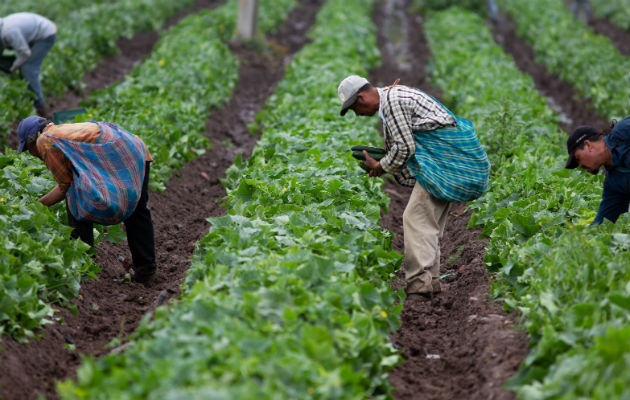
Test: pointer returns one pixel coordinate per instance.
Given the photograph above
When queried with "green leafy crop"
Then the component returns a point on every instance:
(85, 34)
(39, 264)
(287, 296)
(569, 281)
(165, 101)
(571, 50)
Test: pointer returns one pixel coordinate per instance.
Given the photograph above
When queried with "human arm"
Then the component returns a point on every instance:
(615, 198)
(60, 168)
(17, 42)
(57, 194)
(397, 126)
(618, 143)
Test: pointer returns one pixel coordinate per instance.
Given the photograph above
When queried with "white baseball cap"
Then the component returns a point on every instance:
(348, 90)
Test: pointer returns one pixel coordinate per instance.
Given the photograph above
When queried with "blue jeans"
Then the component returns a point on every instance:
(30, 69)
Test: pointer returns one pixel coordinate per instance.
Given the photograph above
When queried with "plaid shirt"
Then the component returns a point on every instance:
(405, 110)
(57, 163)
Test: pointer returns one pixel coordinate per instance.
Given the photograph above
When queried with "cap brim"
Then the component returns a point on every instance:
(21, 147)
(347, 104)
(571, 162)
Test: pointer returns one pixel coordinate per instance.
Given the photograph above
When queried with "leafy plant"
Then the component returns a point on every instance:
(567, 280)
(171, 124)
(617, 11)
(287, 296)
(85, 34)
(571, 50)
(39, 265)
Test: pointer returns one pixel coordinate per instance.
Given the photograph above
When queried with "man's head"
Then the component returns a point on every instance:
(587, 149)
(28, 131)
(357, 94)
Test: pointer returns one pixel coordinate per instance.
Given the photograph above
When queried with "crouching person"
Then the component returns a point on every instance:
(102, 171)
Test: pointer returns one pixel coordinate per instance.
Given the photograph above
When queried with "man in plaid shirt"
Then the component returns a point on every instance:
(429, 149)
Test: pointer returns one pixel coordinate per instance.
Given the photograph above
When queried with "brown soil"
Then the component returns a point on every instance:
(109, 308)
(477, 343)
(113, 69)
(619, 37)
(566, 101)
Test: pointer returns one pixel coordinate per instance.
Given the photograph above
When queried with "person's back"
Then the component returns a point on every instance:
(102, 173)
(31, 26)
(31, 36)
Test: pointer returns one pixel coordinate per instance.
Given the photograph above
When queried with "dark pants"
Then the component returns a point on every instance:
(139, 229)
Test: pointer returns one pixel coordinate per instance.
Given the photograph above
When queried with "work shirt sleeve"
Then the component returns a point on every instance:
(614, 201)
(56, 162)
(397, 120)
(16, 41)
(618, 143)
(616, 194)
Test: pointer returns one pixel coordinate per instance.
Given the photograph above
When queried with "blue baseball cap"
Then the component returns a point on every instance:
(28, 127)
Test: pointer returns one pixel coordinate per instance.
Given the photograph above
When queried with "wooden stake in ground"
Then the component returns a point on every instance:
(247, 19)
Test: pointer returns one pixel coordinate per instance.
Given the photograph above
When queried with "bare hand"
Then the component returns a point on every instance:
(375, 166)
(53, 197)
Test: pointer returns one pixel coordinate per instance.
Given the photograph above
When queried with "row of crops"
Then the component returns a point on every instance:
(568, 281)
(39, 265)
(571, 51)
(616, 11)
(287, 296)
(86, 33)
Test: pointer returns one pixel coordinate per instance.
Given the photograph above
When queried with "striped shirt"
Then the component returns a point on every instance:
(56, 161)
(404, 111)
(108, 174)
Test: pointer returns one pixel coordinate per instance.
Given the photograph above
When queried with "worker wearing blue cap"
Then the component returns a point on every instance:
(102, 171)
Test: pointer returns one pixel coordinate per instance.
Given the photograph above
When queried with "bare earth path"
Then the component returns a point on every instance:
(460, 344)
(108, 308)
(574, 109)
(114, 69)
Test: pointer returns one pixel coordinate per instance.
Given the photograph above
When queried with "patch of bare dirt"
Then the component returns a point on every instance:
(460, 344)
(574, 109)
(109, 308)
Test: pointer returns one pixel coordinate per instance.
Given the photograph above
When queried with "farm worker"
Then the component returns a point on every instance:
(31, 36)
(102, 171)
(590, 150)
(427, 148)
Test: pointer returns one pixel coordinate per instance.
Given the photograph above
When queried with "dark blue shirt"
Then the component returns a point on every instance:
(616, 195)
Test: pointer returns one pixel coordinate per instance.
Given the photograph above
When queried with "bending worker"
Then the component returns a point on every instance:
(31, 36)
(102, 171)
(430, 149)
(590, 150)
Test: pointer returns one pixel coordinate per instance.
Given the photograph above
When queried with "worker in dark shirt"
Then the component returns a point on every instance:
(590, 150)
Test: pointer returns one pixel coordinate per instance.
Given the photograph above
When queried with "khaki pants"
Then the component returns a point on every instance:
(423, 223)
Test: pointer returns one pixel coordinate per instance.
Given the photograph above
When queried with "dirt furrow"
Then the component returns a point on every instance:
(114, 68)
(109, 308)
(619, 37)
(573, 108)
(460, 344)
